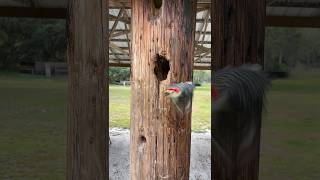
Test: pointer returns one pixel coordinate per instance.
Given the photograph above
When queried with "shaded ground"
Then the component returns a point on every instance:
(119, 155)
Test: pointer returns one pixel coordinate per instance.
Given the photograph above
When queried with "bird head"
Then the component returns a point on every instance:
(172, 91)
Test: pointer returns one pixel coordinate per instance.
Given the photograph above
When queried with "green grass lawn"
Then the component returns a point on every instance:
(291, 130)
(33, 126)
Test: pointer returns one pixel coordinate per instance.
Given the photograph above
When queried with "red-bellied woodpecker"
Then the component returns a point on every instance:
(238, 100)
(181, 95)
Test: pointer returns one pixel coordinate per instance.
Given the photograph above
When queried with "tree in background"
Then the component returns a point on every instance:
(311, 50)
(117, 74)
(287, 47)
(30, 40)
(201, 76)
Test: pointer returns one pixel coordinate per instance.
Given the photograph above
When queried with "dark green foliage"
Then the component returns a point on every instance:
(30, 40)
(117, 74)
(287, 47)
(201, 76)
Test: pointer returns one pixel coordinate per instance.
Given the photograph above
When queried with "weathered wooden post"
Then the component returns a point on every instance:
(162, 53)
(87, 141)
(238, 37)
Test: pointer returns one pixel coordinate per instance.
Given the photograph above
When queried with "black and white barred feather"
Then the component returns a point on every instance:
(242, 88)
(237, 107)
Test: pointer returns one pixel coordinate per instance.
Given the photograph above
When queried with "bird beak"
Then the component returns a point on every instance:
(167, 92)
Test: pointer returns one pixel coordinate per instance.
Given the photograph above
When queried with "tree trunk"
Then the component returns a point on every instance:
(87, 141)
(162, 53)
(238, 31)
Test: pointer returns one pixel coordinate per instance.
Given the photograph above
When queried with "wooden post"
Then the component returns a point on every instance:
(238, 31)
(87, 141)
(162, 53)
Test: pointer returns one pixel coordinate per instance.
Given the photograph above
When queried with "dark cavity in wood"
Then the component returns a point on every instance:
(143, 139)
(157, 3)
(155, 10)
(162, 67)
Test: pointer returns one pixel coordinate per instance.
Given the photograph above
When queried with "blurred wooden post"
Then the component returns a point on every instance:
(87, 141)
(162, 53)
(238, 30)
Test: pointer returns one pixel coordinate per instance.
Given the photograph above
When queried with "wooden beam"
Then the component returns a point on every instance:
(290, 4)
(119, 3)
(126, 14)
(280, 21)
(206, 67)
(161, 55)
(122, 19)
(202, 25)
(120, 49)
(238, 30)
(116, 22)
(286, 21)
(87, 139)
(201, 56)
(33, 12)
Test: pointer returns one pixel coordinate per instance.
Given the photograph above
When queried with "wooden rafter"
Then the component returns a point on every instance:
(305, 4)
(115, 47)
(285, 21)
(202, 31)
(206, 22)
(116, 22)
(126, 15)
(115, 54)
(122, 19)
(202, 25)
(201, 56)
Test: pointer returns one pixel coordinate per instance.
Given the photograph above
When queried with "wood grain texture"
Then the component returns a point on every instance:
(238, 30)
(87, 139)
(160, 137)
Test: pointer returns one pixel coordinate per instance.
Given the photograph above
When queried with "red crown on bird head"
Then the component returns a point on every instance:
(214, 92)
(177, 90)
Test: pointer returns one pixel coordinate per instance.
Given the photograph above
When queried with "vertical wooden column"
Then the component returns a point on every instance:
(87, 141)
(238, 30)
(162, 53)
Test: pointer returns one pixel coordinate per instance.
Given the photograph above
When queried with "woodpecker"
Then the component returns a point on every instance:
(238, 100)
(239, 89)
(181, 95)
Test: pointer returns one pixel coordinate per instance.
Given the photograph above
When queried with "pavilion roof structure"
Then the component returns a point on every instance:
(288, 13)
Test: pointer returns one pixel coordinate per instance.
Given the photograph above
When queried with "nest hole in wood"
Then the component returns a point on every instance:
(142, 139)
(162, 67)
(155, 10)
(157, 3)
